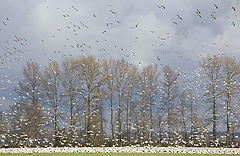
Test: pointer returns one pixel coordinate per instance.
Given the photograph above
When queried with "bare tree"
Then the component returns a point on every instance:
(211, 68)
(121, 70)
(93, 80)
(191, 99)
(152, 92)
(148, 88)
(30, 99)
(99, 121)
(132, 82)
(95, 94)
(182, 110)
(109, 71)
(17, 136)
(143, 91)
(169, 93)
(70, 82)
(231, 76)
(51, 81)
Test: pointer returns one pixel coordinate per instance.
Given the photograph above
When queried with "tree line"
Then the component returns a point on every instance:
(85, 101)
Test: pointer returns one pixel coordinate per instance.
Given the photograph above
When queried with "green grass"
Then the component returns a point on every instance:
(109, 154)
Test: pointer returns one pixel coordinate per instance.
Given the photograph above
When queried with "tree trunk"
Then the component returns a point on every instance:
(89, 119)
(112, 124)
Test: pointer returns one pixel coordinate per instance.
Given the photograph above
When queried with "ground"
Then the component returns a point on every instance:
(111, 154)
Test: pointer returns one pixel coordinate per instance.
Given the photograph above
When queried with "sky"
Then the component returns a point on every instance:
(167, 32)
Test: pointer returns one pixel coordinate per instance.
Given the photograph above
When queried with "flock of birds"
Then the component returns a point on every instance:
(16, 48)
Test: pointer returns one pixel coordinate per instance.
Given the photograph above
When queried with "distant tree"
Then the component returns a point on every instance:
(132, 82)
(109, 72)
(16, 136)
(191, 99)
(231, 77)
(90, 102)
(182, 110)
(93, 80)
(1, 124)
(70, 82)
(51, 81)
(99, 121)
(148, 87)
(211, 69)
(143, 91)
(169, 94)
(121, 70)
(5, 129)
(30, 98)
(153, 75)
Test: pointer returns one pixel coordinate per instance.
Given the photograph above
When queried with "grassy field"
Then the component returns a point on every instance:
(109, 154)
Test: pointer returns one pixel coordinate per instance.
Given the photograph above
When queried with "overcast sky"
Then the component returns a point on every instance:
(174, 32)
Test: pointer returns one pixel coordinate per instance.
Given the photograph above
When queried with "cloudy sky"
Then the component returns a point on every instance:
(174, 32)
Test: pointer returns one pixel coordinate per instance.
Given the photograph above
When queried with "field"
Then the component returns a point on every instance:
(119, 151)
(110, 154)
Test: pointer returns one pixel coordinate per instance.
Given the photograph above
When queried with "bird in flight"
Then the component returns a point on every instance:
(113, 12)
(198, 13)
(161, 7)
(5, 23)
(179, 17)
(213, 16)
(135, 26)
(175, 22)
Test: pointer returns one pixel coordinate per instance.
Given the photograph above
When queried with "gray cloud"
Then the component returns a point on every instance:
(140, 31)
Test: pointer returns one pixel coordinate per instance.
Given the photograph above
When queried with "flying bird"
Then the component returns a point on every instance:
(161, 7)
(135, 26)
(216, 6)
(113, 12)
(179, 17)
(174, 22)
(198, 13)
(213, 16)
